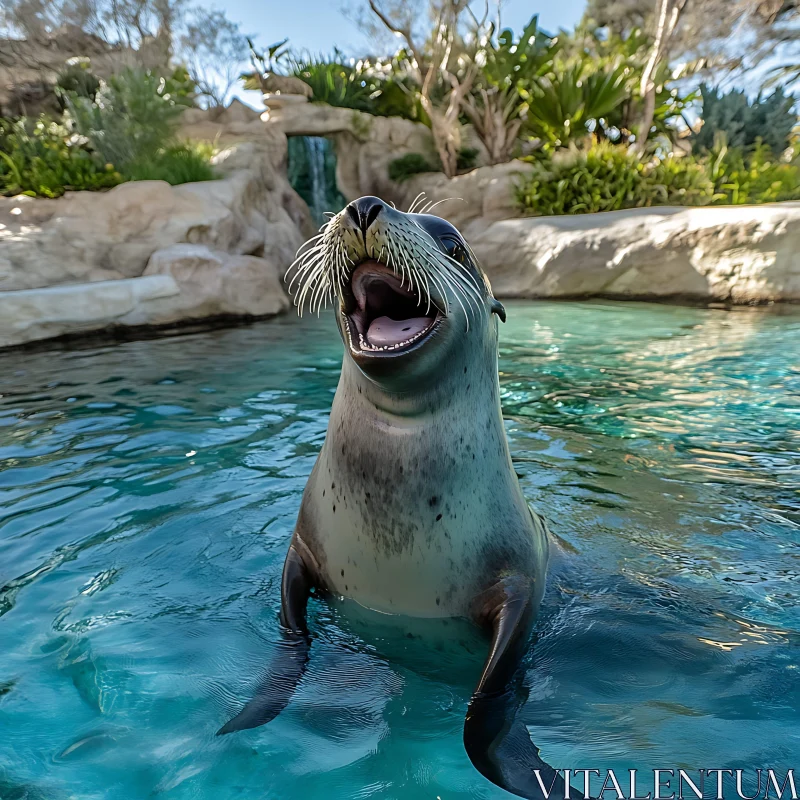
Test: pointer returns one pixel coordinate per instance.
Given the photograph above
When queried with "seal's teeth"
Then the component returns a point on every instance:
(366, 346)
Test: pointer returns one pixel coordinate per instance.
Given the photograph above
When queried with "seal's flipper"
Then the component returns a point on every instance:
(287, 667)
(498, 744)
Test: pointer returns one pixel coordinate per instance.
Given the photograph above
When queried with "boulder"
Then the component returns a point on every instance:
(213, 283)
(182, 283)
(737, 254)
(273, 84)
(238, 112)
(485, 193)
(274, 100)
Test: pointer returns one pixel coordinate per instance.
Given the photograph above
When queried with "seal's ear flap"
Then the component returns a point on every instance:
(499, 309)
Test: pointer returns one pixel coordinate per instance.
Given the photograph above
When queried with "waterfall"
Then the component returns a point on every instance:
(312, 173)
(315, 147)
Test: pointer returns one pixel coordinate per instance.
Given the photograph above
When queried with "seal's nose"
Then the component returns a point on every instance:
(364, 211)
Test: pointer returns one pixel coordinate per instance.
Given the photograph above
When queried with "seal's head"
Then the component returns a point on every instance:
(408, 286)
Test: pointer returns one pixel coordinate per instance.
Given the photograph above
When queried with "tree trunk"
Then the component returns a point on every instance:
(446, 139)
(668, 13)
(646, 122)
(445, 127)
(493, 124)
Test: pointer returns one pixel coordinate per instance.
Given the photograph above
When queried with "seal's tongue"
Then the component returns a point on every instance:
(385, 330)
(388, 313)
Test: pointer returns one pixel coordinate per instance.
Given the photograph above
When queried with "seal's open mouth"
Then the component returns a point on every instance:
(383, 315)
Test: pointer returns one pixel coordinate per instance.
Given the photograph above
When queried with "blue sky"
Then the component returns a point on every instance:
(318, 25)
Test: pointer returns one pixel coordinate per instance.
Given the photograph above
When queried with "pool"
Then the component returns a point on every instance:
(148, 490)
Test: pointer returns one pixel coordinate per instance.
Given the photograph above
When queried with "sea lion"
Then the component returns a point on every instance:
(413, 506)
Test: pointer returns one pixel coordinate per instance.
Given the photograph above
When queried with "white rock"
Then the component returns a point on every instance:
(33, 314)
(213, 283)
(183, 282)
(272, 100)
(740, 254)
(484, 193)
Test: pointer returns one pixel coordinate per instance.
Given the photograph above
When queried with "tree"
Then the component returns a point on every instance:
(496, 101)
(668, 14)
(114, 22)
(42, 34)
(772, 11)
(213, 49)
(442, 67)
(718, 35)
(778, 32)
(711, 36)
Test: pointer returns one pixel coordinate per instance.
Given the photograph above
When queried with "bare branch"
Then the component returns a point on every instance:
(394, 28)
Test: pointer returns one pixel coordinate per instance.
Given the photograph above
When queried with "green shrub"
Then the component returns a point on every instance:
(44, 159)
(562, 103)
(608, 178)
(78, 79)
(754, 176)
(176, 164)
(336, 83)
(179, 87)
(132, 118)
(401, 169)
(132, 123)
(122, 130)
(467, 158)
(680, 182)
(397, 97)
(378, 88)
(605, 178)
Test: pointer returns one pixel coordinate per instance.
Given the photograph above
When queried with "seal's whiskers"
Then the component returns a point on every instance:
(420, 198)
(324, 264)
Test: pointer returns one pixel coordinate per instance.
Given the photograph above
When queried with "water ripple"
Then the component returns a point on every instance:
(147, 491)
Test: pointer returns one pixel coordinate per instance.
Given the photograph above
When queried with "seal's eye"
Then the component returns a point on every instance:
(455, 249)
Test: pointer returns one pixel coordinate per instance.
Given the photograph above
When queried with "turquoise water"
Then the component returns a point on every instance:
(148, 490)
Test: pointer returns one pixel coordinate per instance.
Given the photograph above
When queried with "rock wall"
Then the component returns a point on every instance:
(737, 254)
(183, 283)
(90, 236)
(222, 245)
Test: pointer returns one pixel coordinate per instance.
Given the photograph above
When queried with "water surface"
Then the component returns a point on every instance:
(148, 491)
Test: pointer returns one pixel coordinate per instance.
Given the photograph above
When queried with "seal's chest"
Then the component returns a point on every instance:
(414, 561)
